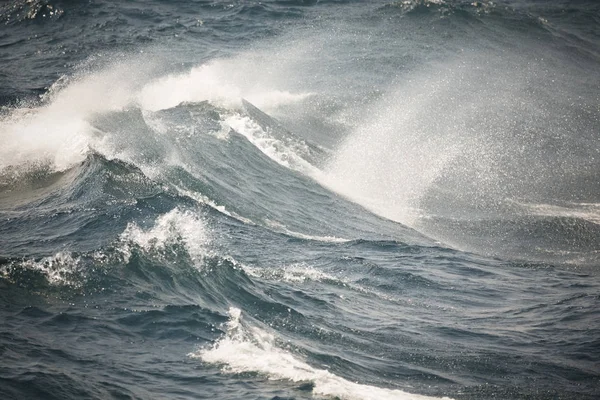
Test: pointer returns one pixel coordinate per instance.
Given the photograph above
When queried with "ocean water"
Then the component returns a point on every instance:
(300, 199)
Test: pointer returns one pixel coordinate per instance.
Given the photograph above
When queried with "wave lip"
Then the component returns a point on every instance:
(176, 225)
(254, 350)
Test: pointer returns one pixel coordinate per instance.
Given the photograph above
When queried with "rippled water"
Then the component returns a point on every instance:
(299, 199)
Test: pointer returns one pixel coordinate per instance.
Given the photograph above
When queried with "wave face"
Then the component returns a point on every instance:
(299, 199)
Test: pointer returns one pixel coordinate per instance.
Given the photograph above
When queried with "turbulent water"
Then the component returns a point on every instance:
(299, 199)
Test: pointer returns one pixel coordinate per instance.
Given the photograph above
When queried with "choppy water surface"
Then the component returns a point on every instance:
(299, 199)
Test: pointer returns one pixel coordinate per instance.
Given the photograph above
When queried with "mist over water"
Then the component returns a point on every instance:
(478, 139)
(383, 200)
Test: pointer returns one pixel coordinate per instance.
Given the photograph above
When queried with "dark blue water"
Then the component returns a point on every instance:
(299, 199)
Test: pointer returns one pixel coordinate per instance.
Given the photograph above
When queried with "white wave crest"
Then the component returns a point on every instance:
(222, 82)
(284, 154)
(176, 226)
(64, 268)
(58, 269)
(283, 229)
(59, 132)
(202, 199)
(251, 349)
(295, 273)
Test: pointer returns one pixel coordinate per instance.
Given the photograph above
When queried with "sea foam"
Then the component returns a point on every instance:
(176, 226)
(251, 349)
